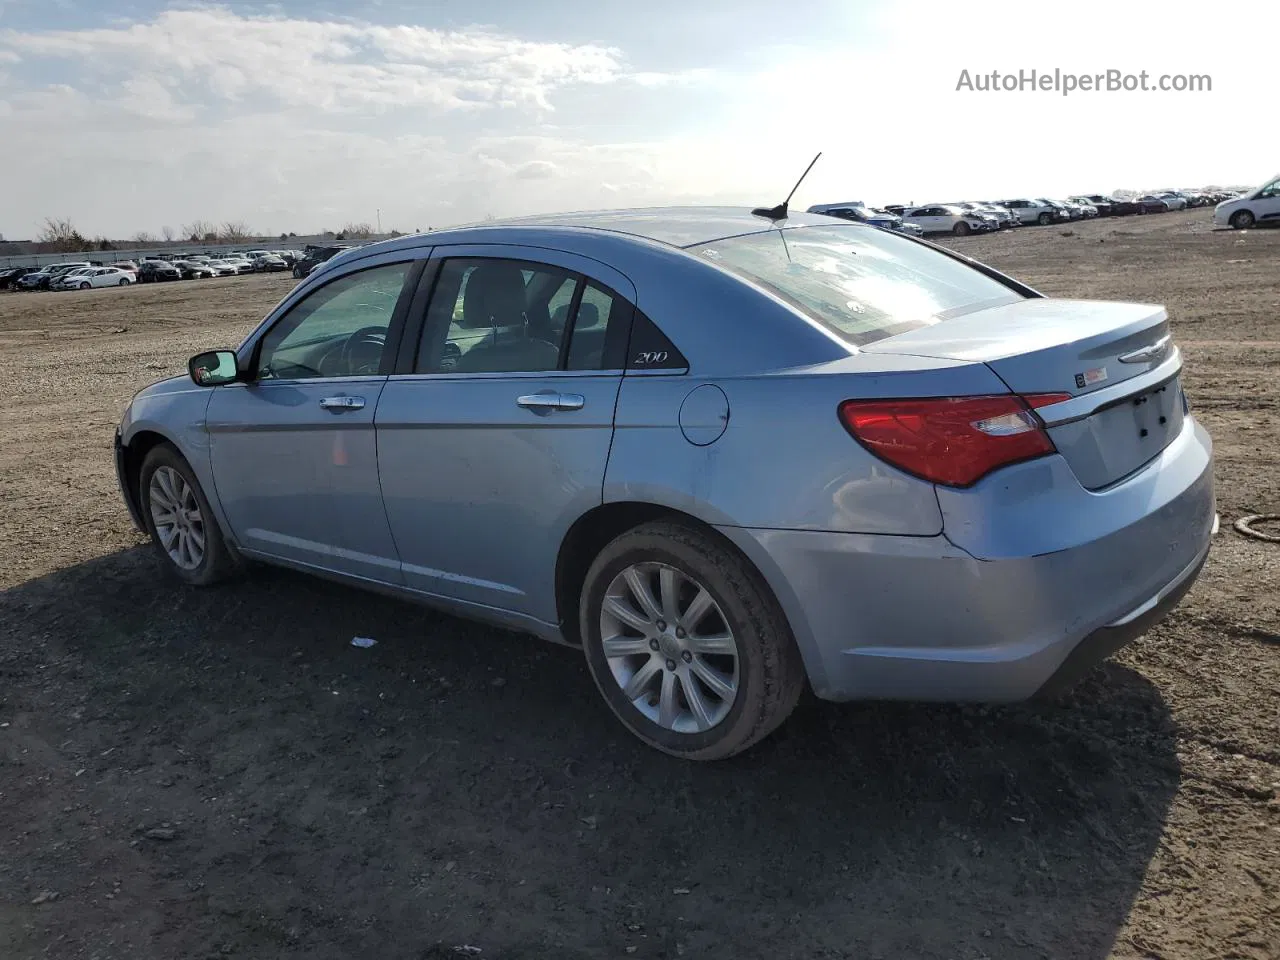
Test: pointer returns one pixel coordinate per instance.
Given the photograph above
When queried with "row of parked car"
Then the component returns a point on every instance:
(985, 216)
(88, 274)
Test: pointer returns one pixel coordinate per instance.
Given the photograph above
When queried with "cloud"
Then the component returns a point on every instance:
(293, 123)
(325, 64)
(536, 170)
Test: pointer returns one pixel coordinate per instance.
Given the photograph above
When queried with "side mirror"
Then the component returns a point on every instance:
(214, 368)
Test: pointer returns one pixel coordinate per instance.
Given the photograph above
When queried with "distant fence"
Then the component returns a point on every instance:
(168, 250)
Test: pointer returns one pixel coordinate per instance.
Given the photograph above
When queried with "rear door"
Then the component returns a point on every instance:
(494, 435)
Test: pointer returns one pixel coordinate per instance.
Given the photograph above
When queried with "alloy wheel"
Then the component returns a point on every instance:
(669, 647)
(179, 524)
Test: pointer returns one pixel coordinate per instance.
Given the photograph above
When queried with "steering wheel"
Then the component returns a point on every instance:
(361, 354)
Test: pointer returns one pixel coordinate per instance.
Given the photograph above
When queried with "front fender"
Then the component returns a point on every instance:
(176, 415)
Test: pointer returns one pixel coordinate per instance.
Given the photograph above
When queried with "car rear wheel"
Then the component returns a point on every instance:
(961, 229)
(1241, 220)
(182, 527)
(1045, 219)
(124, 282)
(686, 643)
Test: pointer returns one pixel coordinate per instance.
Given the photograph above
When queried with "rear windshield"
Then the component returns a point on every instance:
(861, 283)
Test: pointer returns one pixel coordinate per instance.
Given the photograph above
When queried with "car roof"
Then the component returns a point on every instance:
(674, 226)
(671, 226)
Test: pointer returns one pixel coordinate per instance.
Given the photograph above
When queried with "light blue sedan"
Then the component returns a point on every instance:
(726, 456)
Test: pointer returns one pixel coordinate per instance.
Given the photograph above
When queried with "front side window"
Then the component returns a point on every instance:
(1272, 189)
(863, 285)
(339, 330)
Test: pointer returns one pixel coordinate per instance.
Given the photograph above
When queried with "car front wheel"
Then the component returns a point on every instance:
(686, 642)
(961, 229)
(1241, 220)
(182, 527)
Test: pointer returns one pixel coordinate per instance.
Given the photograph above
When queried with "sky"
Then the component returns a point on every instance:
(133, 115)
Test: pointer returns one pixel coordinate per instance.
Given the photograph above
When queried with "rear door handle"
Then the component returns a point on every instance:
(545, 402)
(342, 403)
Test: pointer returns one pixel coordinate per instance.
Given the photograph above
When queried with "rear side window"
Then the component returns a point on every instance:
(862, 284)
(491, 315)
(596, 312)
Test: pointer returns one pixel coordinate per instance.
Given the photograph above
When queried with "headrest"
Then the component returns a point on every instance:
(495, 296)
(588, 315)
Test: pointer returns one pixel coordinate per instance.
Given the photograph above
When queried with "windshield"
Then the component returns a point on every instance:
(862, 284)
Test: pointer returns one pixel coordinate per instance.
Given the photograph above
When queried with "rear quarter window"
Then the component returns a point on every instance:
(861, 283)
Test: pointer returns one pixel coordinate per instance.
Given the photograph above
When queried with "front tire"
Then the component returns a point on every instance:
(183, 529)
(1241, 220)
(1044, 219)
(961, 229)
(686, 642)
(84, 286)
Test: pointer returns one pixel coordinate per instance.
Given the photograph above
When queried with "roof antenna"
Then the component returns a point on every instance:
(780, 211)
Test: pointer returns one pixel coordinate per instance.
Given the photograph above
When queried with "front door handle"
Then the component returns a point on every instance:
(545, 402)
(342, 403)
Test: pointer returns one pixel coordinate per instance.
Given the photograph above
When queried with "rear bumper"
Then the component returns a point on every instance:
(1105, 641)
(919, 618)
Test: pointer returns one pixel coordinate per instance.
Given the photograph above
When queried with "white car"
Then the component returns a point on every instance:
(85, 278)
(1090, 210)
(1174, 200)
(1086, 208)
(1261, 205)
(1033, 211)
(941, 218)
(70, 279)
(62, 269)
(1004, 218)
(222, 268)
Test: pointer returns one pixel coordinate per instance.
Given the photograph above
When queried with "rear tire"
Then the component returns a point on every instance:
(736, 638)
(183, 529)
(1241, 220)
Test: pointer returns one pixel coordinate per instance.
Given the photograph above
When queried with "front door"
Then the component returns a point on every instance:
(293, 452)
(496, 438)
(1267, 205)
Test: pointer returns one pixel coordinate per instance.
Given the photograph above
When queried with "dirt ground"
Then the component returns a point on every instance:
(190, 774)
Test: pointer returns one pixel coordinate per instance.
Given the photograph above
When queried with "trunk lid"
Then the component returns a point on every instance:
(1116, 361)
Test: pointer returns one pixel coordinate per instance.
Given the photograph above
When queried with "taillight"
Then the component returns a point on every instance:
(954, 441)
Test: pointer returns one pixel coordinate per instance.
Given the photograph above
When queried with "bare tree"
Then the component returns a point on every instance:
(167, 233)
(62, 235)
(143, 237)
(198, 230)
(233, 231)
(357, 231)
